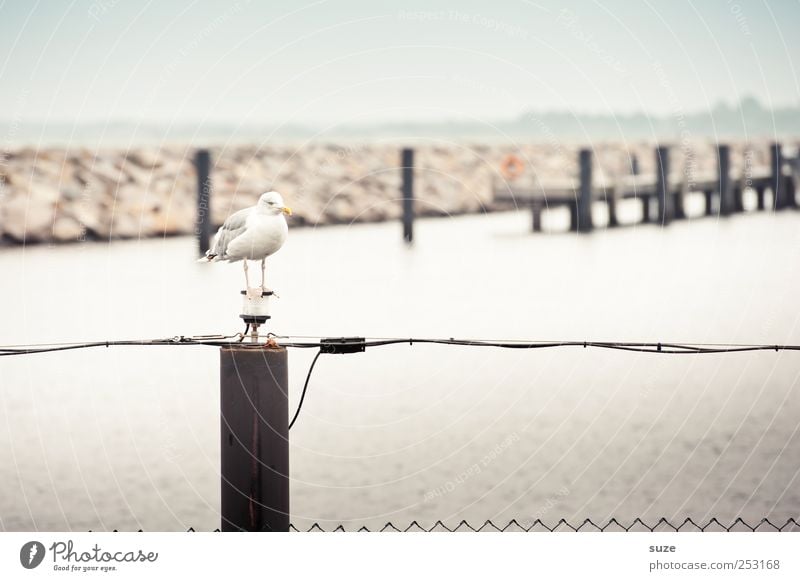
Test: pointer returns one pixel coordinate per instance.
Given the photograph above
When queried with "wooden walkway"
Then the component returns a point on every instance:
(662, 193)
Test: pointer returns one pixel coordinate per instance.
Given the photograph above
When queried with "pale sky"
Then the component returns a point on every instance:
(333, 62)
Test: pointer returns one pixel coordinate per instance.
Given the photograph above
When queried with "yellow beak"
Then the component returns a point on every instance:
(287, 210)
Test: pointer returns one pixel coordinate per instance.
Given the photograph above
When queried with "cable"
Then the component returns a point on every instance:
(353, 344)
(305, 388)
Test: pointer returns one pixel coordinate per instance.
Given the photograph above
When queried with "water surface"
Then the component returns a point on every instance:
(127, 438)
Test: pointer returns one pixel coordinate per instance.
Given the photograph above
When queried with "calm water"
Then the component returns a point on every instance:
(127, 438)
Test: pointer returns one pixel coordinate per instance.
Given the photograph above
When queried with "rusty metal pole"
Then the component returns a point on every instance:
(254, 409)
(203, 225)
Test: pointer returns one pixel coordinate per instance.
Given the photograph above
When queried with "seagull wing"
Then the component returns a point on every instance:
(232, 228)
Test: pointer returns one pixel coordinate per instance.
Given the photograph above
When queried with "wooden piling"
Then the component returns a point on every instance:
(536, 216)
(254, 411)
(678, 207)
(583, 222)
(709, 207)
(727, 204)
(777, 184)
(203, 224)
(663, 197)
(738, 197)
(760, 198)
(407, 168)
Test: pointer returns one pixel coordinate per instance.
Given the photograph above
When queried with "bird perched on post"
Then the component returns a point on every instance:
(252, 233)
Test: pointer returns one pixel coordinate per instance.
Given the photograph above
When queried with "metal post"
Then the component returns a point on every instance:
(663, 199)
(776, 179)
(203, 225)
(407, 164)
(584, 221)
(254, 408)
(726, 202)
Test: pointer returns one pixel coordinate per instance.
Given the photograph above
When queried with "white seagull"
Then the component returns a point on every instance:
(252, 234)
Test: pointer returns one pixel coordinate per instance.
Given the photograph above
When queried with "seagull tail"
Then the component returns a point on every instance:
(207, 258)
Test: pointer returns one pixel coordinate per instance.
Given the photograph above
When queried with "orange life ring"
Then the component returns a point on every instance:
(512, 167)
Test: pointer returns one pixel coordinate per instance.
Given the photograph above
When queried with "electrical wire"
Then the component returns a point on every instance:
(225, 340)
(356, 344)
(305, 388)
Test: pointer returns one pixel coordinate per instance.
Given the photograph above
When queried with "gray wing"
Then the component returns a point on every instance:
(233, 227)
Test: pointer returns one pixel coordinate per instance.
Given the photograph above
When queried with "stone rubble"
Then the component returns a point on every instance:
(59, 195)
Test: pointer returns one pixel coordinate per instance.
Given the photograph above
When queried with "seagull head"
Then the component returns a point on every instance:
(272, 203)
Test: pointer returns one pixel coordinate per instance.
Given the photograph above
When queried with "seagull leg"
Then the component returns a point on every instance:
(246, 278)
(263, 274)
(252, 293)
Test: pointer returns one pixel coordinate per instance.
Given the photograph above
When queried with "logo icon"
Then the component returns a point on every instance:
(31, 554)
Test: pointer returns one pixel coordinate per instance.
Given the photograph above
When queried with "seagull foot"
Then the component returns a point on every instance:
(269, 290)
(272, 343)
(253, 293)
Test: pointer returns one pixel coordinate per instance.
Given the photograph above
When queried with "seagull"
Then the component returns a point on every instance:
(252, 234)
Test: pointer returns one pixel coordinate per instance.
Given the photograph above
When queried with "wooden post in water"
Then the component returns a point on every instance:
(644, 199)
(738, 196)
(584, 209)
(254, 409)
(727, 204)
(203, 224)
(663, 197)
(709, 196)
(777, 184)
(760, 198)
(407, 165)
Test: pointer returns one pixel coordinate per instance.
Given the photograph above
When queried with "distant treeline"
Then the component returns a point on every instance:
(749, 119)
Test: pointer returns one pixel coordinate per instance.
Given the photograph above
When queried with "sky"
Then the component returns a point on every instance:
(336, 62)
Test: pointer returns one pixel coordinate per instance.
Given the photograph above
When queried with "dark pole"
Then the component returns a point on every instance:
(776, 179)
(254, 408)
(709, 195)
(726, 202)
(760, 197)
(407, 165)
(662, 186)
(203, 225)
(585, 193)
(645, 198)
